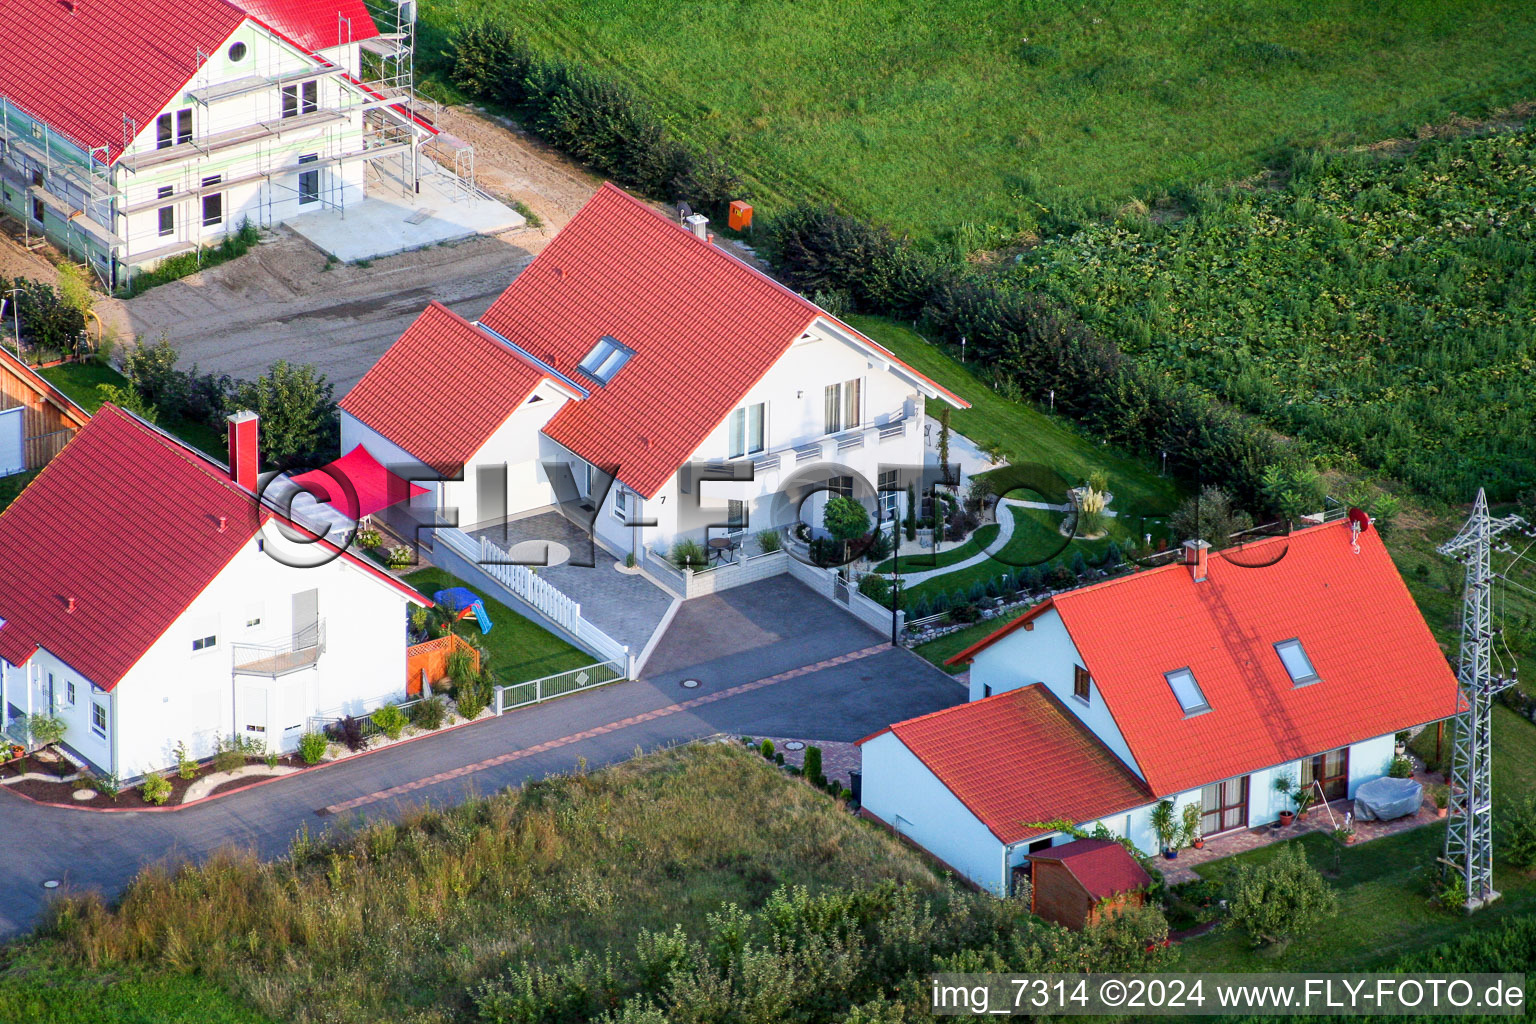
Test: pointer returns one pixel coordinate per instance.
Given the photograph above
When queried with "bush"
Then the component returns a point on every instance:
(688, 553)
(230, 753)
(428, 713)
(155, 789)
(348, 732)
(1515, 822)
(107, 785)
(461, 665)
(391, 721)
(471, 699)
(813, 766)
(1401, 767)
(766, 749)
(312, 747)
(1278, 900)
(876, 588)
(399, 557)
(48, 321)
(769, 540)
(185, 766)
(368, 538)
(1079, 565)
(46, 730)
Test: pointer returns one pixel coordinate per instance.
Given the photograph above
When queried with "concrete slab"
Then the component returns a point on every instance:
(389, 221)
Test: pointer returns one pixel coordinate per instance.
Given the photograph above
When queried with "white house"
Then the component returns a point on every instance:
(630, 353)
(134, 130)
(149, 598)
(1196, 683)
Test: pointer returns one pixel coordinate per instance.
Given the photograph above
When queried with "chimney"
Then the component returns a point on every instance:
(244, 464)
(1196, 556)
(69, 605)
(697, 223)
(223, 523)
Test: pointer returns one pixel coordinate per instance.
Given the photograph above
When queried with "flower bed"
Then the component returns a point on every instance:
(63, 792)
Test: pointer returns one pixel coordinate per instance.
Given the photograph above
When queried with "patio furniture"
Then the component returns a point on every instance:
(719, 547)
(1386, 798)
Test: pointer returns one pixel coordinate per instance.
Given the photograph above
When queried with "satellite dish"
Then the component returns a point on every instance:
(684, 211)
(1360, 519)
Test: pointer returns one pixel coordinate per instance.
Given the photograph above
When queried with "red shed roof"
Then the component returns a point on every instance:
(703, 325)
(1020, 757)
(1379, 669)
(1102, 867)
(442, 389)
(123, 524)
(68, 64)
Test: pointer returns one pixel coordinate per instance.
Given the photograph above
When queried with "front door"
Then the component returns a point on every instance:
(1224, 806)
(306, 619)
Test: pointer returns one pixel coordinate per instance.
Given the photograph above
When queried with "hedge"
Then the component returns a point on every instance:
(590, 116)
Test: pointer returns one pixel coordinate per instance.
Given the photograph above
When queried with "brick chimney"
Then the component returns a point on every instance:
(244, 462)
(1196, 556)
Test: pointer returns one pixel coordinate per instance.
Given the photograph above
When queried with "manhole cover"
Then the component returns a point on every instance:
(52, 883)
(794, 745)
(690, 684)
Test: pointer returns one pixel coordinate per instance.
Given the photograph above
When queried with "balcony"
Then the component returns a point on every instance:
(300, 652)
(827, 448)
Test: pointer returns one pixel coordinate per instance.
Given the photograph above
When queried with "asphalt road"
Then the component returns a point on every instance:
(744, 635)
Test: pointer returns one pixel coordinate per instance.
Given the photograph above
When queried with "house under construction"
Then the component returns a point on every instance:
(136, 130)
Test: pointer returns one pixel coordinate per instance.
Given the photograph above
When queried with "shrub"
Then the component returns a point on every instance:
(1452, 893)
(688, 553)
(229, 754)
(46, 730)
(312, 747)
(429, 712)
(778, 759)
(1061, 578)
(461, 665)
(769, 540)
(1278, 900)
(399, 557)
(1079, 565)
(766, 749)
(876, 588)
(390, 720)
(964, 613)
(107, 785)
(185, 766)
(368, 538)
(1211, 516)
(1113, 556)
(813, 766)
(1515, 822)
(471, 699)
(1027, 580)
(348, 732)
(1401, 767)
(155, 789)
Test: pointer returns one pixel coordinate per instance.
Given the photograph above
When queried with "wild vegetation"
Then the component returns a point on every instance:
(1378, 306)
(1063, 112)
(563, 900)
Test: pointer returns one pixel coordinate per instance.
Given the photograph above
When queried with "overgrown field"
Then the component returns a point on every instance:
(978, 120)
(695, 879)
(1382, 308)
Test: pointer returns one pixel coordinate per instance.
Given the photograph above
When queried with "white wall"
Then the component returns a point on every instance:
(902, 792)
(175, 694)
(392, 457)
(519, 446)
(1370, 759)
(1046, 654)
(13, 456)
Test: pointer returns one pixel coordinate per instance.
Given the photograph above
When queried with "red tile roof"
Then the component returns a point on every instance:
(1101, 866)
(1020, 757)
(704, 327)
(69, 66)
(124, 521)
(442, 389)
(1380, 668)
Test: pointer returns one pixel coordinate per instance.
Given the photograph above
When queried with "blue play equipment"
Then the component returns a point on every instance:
(464, 603)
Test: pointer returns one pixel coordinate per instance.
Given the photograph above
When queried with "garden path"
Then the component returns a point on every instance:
(1004, 532)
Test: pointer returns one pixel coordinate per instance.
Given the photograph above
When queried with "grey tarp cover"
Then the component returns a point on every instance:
(1387, 798)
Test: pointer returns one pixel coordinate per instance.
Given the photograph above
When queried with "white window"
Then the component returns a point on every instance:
(843, 405)
(213, 202)
(69, 693)
(253, 616)
(1294, 657)
(99, 719)
(890, 494)
(621, 502)
(204, 643)
(746, 430)
(584, 475)
(1187, 691)
(606, 359)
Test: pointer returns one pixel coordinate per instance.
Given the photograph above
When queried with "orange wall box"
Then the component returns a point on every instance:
(741, 215)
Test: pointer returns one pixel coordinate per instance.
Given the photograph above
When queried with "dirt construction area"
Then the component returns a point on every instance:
(286, 300)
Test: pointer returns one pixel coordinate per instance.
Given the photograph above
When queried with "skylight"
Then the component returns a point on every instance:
(606, 359)
(1296, 662)
(1187, 691)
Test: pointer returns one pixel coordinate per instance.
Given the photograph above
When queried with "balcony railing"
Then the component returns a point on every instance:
(278, 659)
(791, 455)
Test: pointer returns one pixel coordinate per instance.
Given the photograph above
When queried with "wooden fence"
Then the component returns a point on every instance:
(429, 660)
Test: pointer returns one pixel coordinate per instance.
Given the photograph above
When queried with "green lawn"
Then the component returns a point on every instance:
(80, 380)
(519, 648)
(1384, 908)
(951, 644)
(1025, 434)
(971, 119)
(38, 985)
(914, 560)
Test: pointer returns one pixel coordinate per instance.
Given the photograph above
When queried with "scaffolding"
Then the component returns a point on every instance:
(1469, 823)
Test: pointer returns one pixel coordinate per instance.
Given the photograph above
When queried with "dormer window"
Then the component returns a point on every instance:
(1182, 682)
(1294, 657)
(606, 359)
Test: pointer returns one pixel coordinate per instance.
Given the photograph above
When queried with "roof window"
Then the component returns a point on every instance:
(1182, 681)
(1294, 657)
(606, 359)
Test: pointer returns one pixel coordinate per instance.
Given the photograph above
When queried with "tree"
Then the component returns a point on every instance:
(846, 520)
(128, 398)
(1294, 490)
(1516, 825)
(297, 407)
(1278, 900)
(1079, 564)
(1209, 516)
(911, 521)
(944, 443)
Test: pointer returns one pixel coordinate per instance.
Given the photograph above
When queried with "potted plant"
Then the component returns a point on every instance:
(1345, 834)
(1285, 785)
(1166, 826)
(1303, 799)
(1441, 794)
(1192, 833)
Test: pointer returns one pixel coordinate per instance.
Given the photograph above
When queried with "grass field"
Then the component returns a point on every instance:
(971, 119)
(519, 648)
(80, 380)
(399, 922)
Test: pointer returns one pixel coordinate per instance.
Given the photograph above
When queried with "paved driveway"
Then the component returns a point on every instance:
(771, 658)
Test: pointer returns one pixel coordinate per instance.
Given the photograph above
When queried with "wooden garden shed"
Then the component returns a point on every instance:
(1084, 881)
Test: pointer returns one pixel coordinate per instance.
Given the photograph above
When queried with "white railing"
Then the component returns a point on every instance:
(534, 691)
(525, 583)
(849, 442)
